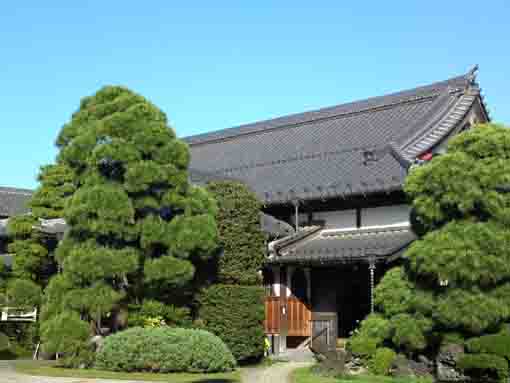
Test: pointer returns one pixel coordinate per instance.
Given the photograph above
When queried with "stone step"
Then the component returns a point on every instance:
(295, 355)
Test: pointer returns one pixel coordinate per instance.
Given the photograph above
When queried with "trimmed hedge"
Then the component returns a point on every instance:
(241, 238)
(164, 349)
(484, 367)
(236, 315)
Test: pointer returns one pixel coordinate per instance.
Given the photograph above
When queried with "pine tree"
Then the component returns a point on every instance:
(136, 226)
(456, 276)
(33, 261)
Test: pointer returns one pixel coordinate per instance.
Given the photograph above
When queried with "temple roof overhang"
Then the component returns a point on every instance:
(359, 148)
(317, 246)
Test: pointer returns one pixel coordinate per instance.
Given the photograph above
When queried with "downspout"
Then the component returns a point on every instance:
(296, 212)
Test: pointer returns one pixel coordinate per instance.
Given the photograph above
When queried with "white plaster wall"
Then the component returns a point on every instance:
(385, 215)
(344, 219)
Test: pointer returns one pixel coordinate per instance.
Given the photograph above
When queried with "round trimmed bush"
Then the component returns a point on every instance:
(165, 349)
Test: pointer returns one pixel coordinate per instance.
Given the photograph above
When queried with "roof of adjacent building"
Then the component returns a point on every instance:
(338, 246)
(355, 148)
(14, 201)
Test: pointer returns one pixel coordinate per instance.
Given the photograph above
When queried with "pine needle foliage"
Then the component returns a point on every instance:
(136, 225)
(33, 262)
(456, 277)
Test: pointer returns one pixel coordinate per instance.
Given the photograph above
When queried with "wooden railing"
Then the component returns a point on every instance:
(13, 314)
(298, 316)
(272, 320)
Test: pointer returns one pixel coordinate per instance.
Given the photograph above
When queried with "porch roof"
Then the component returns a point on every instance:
(339, 246)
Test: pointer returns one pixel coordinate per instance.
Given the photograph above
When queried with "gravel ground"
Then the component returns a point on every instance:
(277, 373)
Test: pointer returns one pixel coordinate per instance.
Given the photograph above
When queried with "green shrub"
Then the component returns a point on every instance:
(152, 311)
(409, 332)
(4, 342)
(236, 315)
(241, 238)
(394, 293)
(381, 361)
(64, 333)
(452, 338)
(164, 349)
(484, 367)
(23, 293)
(505, 328)
(363, 346)
(497, 344)
(374, 326)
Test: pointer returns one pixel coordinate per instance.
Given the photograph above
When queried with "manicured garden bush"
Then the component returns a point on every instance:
(497, 344)
(484, 367)
(372, 332)
(381, 361)
(374, 326)
(164, 349)
(68, 335)
(152, 311)
(363, 346)
(236, 315)
(241, 239)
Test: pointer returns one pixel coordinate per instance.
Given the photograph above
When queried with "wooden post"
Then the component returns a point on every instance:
(283, 313)
(290, 271)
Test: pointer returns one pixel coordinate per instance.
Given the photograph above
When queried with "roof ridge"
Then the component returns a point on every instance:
(432, 91)
(366, 230)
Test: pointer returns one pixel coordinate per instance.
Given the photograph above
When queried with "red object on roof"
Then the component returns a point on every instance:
(426, 156)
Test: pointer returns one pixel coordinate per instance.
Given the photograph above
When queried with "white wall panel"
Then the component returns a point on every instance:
(343, 219)
(385, 215)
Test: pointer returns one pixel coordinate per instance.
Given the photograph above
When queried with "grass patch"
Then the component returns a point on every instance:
(305, 375)
(37, 368)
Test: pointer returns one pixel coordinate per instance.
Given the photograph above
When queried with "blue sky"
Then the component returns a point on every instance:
(212, 65)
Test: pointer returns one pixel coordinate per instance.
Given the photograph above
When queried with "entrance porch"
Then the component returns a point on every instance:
(314, 306)
(320, 283)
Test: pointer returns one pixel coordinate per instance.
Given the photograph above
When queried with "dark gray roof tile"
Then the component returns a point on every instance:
(322, 154)
(14, 201)
(343, 246)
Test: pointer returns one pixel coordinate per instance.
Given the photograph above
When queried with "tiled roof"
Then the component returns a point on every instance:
(327, 153)
(329, 246)
(13, 201)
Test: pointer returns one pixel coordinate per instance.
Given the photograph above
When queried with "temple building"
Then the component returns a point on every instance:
(336, 175)
(331, 182)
